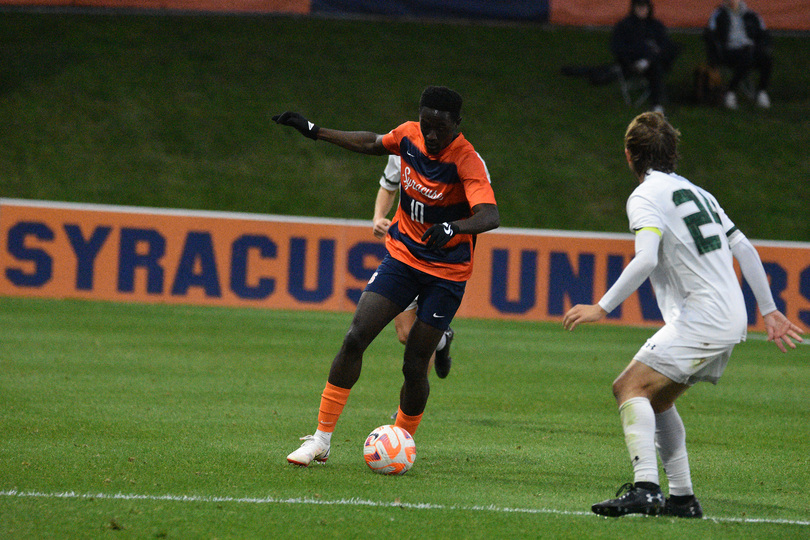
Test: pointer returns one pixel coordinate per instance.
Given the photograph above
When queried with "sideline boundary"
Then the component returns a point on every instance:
(349, 502)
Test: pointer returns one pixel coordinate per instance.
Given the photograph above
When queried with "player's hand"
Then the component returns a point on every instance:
(439, 234)
(381, 227)
(293, 119)
(781, 330)
(582, 313)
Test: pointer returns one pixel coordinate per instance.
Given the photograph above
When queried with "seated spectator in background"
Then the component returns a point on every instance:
(736, 37)
(641, 45)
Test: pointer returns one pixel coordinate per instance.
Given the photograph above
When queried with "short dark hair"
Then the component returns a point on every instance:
(442, 98)
(652, 143)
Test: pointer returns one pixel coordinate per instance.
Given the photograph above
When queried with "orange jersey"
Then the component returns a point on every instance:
(435, 189)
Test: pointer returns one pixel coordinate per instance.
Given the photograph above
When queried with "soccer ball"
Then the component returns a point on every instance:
(389, 450)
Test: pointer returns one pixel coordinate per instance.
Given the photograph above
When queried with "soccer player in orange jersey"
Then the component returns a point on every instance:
(445, 200)
(384, 202)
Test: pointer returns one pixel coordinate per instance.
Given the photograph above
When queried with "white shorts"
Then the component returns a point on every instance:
(685, 361)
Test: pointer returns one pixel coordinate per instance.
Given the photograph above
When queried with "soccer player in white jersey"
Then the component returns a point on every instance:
(685, 244)
(389, 186)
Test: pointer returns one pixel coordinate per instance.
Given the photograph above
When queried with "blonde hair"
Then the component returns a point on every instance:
(652, 143)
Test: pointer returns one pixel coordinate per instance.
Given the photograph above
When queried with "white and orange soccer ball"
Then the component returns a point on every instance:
(389, 450)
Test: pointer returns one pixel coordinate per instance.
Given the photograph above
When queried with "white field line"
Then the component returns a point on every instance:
(348, 502)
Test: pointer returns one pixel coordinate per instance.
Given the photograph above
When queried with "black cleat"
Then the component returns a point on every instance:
(636, 500)
(688, 509)
(443, 360)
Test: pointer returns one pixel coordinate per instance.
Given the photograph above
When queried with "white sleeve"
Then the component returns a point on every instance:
(634, 274)
(752, 270)
(390, 176)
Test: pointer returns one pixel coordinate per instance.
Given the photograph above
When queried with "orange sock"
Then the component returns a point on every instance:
(333, 400)
(408, 423)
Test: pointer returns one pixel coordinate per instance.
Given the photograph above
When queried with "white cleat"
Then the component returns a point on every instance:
(312, 449)
(730, 101)
(763, 100)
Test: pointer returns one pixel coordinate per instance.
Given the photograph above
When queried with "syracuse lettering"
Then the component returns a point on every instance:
(410, 183)
(321, 266)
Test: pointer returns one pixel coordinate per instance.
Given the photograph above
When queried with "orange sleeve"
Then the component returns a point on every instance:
(477, 184)
(391, 140)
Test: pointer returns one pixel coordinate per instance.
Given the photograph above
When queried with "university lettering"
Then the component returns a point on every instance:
(63, 253)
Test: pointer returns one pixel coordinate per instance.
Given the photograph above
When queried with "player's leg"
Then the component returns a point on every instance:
(670, 440)
(665, 367)
(403, 324)
(373, 313)
(634, 388)
(386, 294)
(645, 387)
(415, 389)
(441, 358)
(439, 300)
(650, 384)
(404, 321)
(641, 392)
(670, 434)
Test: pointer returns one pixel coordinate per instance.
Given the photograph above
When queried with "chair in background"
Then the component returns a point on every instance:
(634, 87)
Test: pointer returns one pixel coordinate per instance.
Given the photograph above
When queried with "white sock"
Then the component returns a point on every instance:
(442, 342)
(324, 436)
(670, 439)
(638, 423)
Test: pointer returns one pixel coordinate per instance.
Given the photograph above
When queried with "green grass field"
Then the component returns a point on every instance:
(150, 421)
(175, 111)
(155, 421)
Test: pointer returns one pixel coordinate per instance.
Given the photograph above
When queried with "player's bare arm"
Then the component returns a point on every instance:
(485, 218)
(363, 142)
(382, 205)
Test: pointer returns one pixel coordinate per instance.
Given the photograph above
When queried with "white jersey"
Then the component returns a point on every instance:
(391, 174)
(695, 283)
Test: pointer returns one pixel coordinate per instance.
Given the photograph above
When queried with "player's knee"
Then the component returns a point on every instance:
(414, 371)
(354, 342)
(617, 387)
(623, 390)
(403, 328)
(617, 393)
(402, 335)
(661, 403)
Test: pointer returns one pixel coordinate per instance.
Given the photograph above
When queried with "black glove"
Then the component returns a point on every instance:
(293, 119)
(439, 234)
